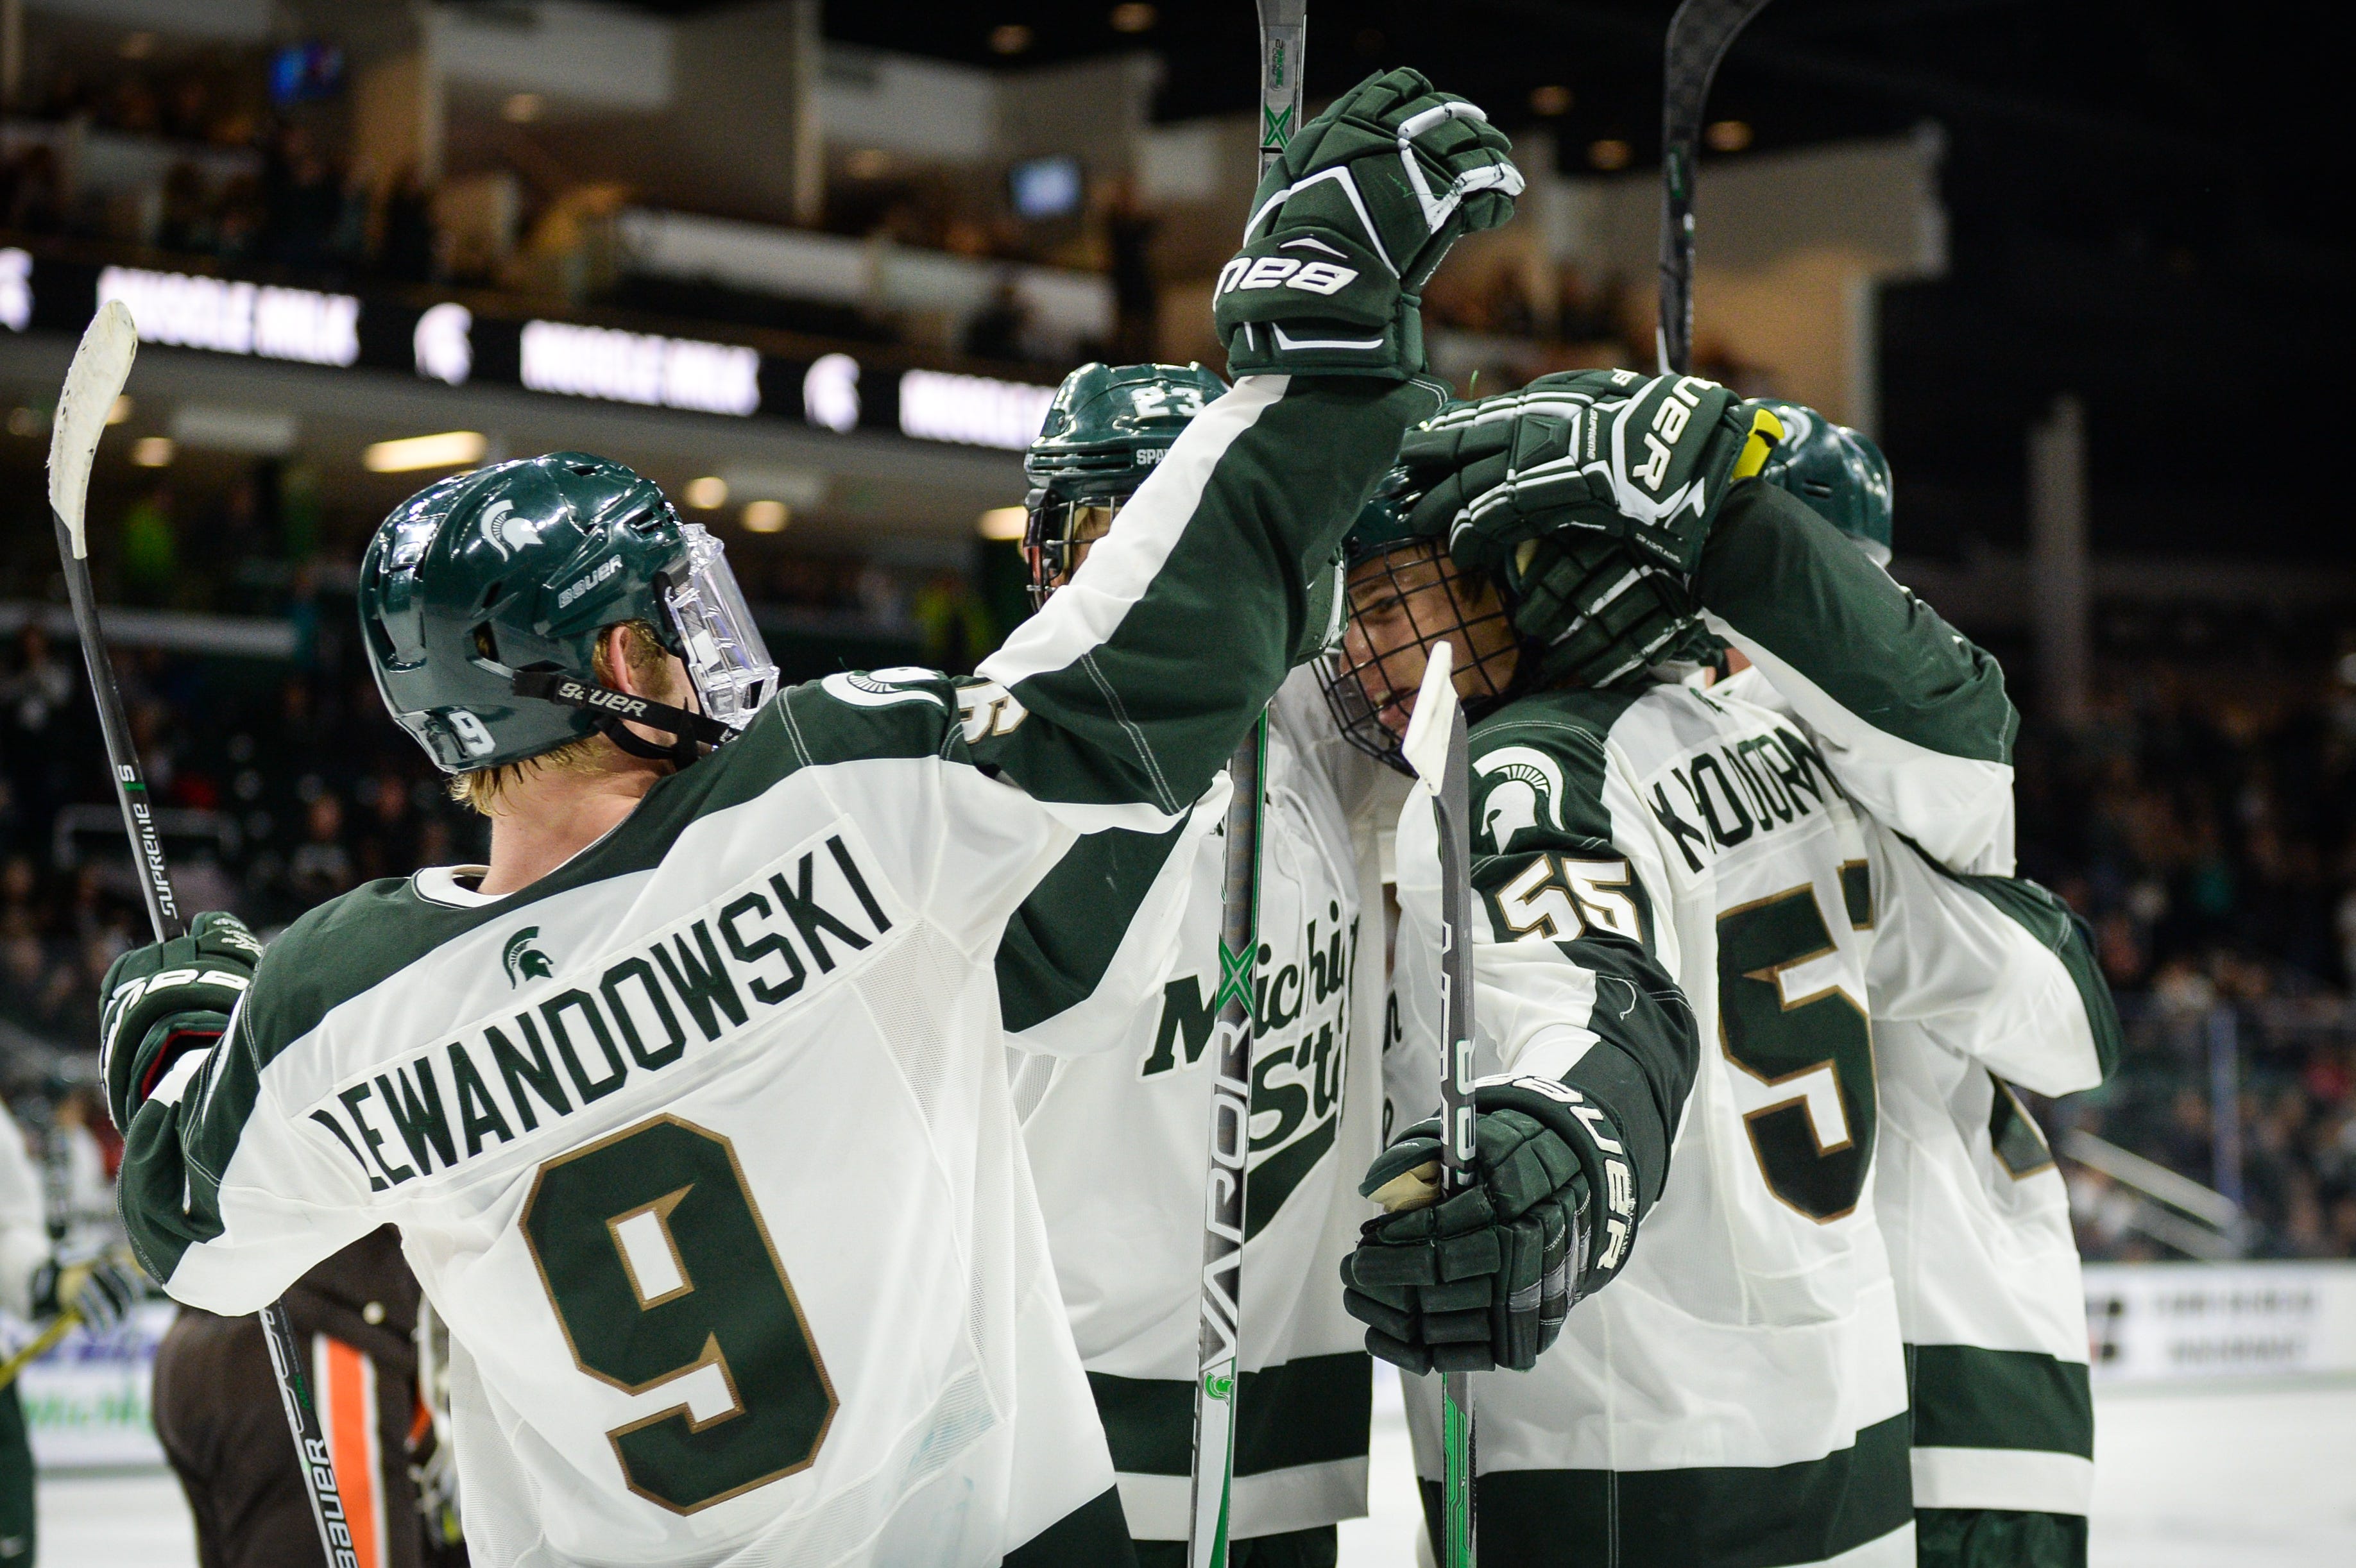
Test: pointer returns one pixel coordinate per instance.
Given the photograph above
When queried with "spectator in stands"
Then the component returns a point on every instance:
(301, 199)
(407, 253)
(321, 867)
(150, 549)
(39, 687)
(999, 330)
(186, 222)
(32, 198)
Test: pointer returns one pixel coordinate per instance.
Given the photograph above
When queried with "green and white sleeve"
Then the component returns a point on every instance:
(1573, 959)
(1118, 706)
(1995, 968)
(1910, 715)
(1149, 665)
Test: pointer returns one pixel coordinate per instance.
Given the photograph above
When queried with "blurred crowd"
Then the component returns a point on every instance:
(2204, 822)
(235, 180)
(279, 789)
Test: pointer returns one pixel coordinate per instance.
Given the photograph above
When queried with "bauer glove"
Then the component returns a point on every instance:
(1480, 1280)
(1484, 1279)
(1596, 613)
(1611, 454)
(168, 999)
(100, 1289)
(1348, 224)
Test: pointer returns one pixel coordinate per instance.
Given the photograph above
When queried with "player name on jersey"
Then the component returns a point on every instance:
(1730, 792)
(579, 1037)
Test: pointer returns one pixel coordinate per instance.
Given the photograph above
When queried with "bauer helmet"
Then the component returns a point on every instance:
(1105, 433)
(1838, 472)
(1402, 594)
(483, 596)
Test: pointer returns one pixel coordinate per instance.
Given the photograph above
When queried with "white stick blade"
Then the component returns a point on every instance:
(94, 380)
(1434, 717)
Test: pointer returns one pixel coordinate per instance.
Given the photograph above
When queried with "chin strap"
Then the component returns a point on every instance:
(616, 710)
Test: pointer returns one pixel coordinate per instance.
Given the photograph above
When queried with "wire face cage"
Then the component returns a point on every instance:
(1057, 535)
(1403, 599)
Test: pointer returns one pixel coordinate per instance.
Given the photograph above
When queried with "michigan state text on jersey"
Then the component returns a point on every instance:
(1117, 1138)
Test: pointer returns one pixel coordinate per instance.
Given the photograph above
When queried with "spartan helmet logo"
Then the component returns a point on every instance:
(523, 961)
(508, 533)
(1527, 794)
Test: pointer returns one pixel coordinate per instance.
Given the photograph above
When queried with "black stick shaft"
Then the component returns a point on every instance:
(164, 915)
(121, 757)
(1699, 35)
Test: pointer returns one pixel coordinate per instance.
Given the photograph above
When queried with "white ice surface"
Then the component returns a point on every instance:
(2253, 1476)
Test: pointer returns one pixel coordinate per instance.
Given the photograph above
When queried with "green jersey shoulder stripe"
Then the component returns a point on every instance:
(1912, 716)
(1067, 933)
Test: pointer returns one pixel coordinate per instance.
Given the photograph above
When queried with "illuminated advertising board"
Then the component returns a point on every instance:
(455, 344)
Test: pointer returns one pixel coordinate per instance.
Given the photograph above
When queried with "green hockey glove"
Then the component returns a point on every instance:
(1487, 1279)
(1607, 453)
(1349, 223)
(102, 1289)
(1598, 614)
(168, 999)
(1480, 1280)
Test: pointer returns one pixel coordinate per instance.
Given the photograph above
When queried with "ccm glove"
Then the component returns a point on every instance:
(1349, 223)
(168, 999)
(1611, 454)
(100, 1289)
(1480, 1280)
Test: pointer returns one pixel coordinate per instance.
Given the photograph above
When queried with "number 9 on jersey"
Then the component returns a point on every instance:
(661, 1271)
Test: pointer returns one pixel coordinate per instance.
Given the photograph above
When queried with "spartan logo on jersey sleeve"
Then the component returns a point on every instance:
(791, 930)
(1297, 1078)
(523, 961)
(1525, 794)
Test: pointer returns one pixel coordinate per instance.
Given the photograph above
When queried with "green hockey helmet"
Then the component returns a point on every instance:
(1838, 472)
(1401, 594)
(1104, 434)
(483, 596)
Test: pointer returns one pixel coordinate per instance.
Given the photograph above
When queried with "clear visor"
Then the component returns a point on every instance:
(725, 657)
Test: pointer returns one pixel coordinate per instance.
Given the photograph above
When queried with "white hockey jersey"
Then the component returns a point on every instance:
(1738, 1395)
(1118, 1141)
(1977, 1221)
(24, 1224)
(703, 1145)
(1972, 1206)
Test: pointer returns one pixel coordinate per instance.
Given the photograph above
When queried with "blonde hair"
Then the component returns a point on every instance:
(482, 789)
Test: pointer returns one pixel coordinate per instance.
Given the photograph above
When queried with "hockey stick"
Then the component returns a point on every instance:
(1699, 35)
(93, 381)
(1436, 748)
(1218, 1379)
(59, 1327)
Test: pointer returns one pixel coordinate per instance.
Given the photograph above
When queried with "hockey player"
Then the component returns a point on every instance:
(1117, 1138)
(1739, 1395)
(1971, 1203)
(36, 1282)
(691, 1105)
(218, 1418)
